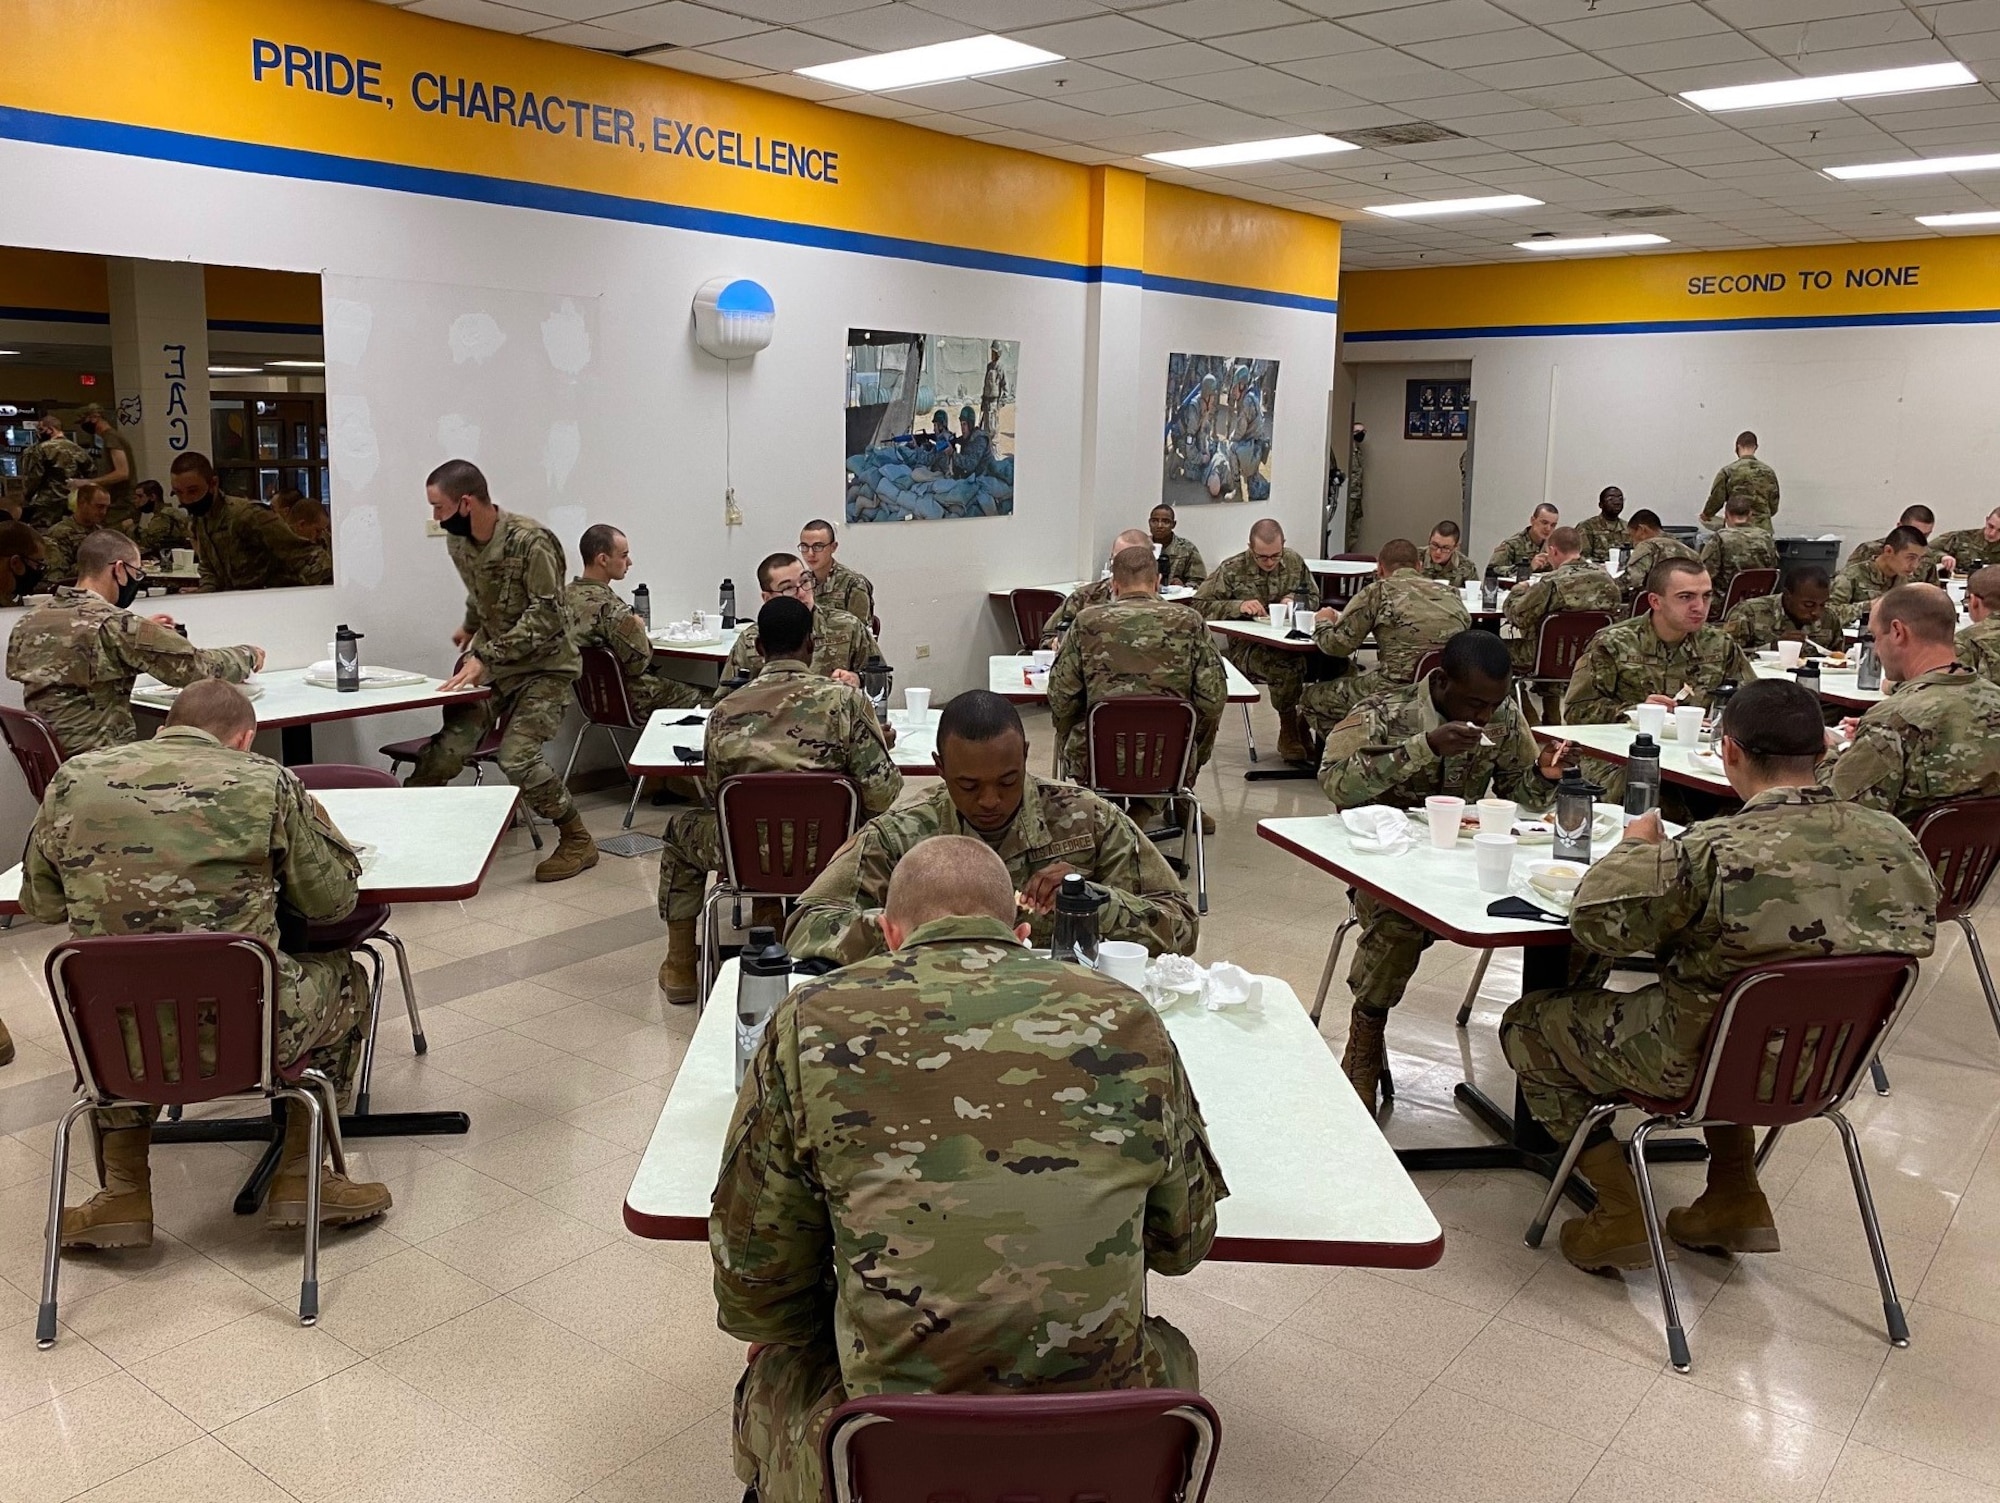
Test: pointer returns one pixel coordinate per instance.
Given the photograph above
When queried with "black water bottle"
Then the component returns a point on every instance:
(642, 606)
(1489, 591)
(1642, 777)
(1807, 675)
(728, 603)
(346, 659)
(1075, 933)
(1867, 667)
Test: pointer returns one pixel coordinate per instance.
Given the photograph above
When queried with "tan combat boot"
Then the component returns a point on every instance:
(1731, 1215)
(341, 1200)
(6, 1044)
(575, 852)
(1207, 823)
(1366, 1060)
(1291, 738)
(1612, 1237)
(121, 1214)
(677, 978)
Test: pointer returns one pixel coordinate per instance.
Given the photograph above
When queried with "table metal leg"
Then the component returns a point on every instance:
(295, 744)
(271, 1130)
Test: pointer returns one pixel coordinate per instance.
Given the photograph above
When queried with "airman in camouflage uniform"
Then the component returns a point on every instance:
(1745, 475)
(47, 467)
(598, 618)
(1408, 615)
(61, 542)
(1796, 873)
(1091, 593)
(1931, 738)
(1605, 531)
(841, 644)
(1926, 571)
(114, 455)
(1003, 1248)
(1757, 625)
(239, 545)
(1978, 646)
(517, 627)
(1648, 554)
(77, 657)
(1741, 545)
(834, 583)
(1456, 571)
(1859, 585)
(1179, 560)
(1518, 554)
(1971, 547)
(1242, 588)
(1384, 753)
(192, 831)
(1628, 662)
(1574, 584)
(161, 525)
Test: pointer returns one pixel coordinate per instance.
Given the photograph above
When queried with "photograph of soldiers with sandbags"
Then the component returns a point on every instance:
(1218, 431)
(930, 426)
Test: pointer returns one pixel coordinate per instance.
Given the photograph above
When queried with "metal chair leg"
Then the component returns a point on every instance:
(367, 1070)
(1979, 966)
(409, 992)
(45, 1316)
(1332, 960)
(1892, 1306)
(1540, 1225)
(1249, 735)
(1879, 1075)
(1472, 991)
(336, 1145)
(1192, 830)
(710, 960)
(632, 808)
(1770, 1142)
(309, 1279)
(1677, 1342)
(575, 747)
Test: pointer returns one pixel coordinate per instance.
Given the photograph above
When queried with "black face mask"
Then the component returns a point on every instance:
(135, 581)
(28, 577)
(458, 525)
(200, 508)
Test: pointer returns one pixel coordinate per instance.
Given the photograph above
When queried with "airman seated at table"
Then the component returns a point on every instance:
(92, 504)
(1917, 518)
(1858, 584)
(1605, 531)
(1408, 616)
(1979, 644)
(1573, 583)
(1458, 732)
(77, 657)
(1936, 734)
(1043, 830)
(842, 644)
(159, 525)
(193, 831)
(239, 545)
(1091, 591)
(1797, 873)
(834, 584)
(1247, 587)
(1797, 613)
(1180, 561)
(1742, 544)
(1444, 560)
(1002, 1249)
(1651, 547)
(23, 563)
(787, 719)
(1971, 548)
(1526, 552)
(599, 618)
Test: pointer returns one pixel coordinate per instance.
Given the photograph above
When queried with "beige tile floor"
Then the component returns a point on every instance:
(499, 1336)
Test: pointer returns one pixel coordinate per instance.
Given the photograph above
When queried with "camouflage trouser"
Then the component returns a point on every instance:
(1386, 956)
(693, 849)
(1578, 1045)
(537, 704)
(654, 691)
(323, 1018)
(1325, 703)
(1284, 671)
(786, 1394)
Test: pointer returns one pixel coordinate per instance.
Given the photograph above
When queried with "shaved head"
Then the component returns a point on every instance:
(1266, 531)
(209, 704)
(949, 876)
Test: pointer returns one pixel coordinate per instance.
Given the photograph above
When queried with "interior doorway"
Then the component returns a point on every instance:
(1419, 421)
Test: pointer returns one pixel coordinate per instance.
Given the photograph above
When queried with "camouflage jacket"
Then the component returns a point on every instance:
(240, 545)
(1627, 662)
(1138, 645)
(1456, 571)
(1968, 548)
(1647, 556)
(1575, 586)
(1516, 554)
(180, 833)
(1408, 614)
(839, 641)
(1180, 563)
(598, 618)
(46, 471)
(165, 526)
(1932, 738)
(1237, 579)
(791, 719)
(1056, 822)
(109, 444)
(1079, 600)
(1757, 624)
(1379, 755)
(1795, 873)
(1600, 535)
(1979, 648)
(1729, 552)
(59, 546)
(1747, 476)
(515, 611)
(76, 658)
(845, 590)
(1926, 571)
(1856, 588)
(955, 1166)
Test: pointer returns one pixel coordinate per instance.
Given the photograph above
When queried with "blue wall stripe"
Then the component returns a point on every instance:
(1682, 326)
(289, 162)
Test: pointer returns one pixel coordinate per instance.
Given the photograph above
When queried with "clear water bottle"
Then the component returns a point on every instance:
(1867, 667)
(728, 604)
(1490, 591)
(642, 606)
(1576, 805)
(1075, 935)
(346, 659)
(763, 980)
(1642, 777)
(1807, 675)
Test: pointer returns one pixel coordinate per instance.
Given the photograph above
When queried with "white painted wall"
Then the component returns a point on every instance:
(653, 441)
(1411, 483)
(1859, 423)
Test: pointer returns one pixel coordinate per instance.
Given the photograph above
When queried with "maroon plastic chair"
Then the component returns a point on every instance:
(1338, 589)
(1032, 609)
(1141, 746)
(1822, 1021)
(1561, 639)
(1129, 1445)
(33, 742)
(359, 931)
(483, 756)
(1432, 658)
(777, 832)
(221, 989)
(1749, 584)
(1642, 605)
(606, 702)
(1961, 839)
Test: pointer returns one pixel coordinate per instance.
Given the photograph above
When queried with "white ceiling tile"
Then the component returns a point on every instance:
(1798, 42)
(1126, 99)
(891, 28)
(482, 13)
(1978, 51)
(1060, 80)
(1207, 19)
(1018, 13)
(1963, 16)
(1539, 72)
(789, 12)
(1264, 90)
(1095, 36)
(1773, 12)
(1665, 23)
(1425, 23)
(1888, 55)
(958, 95)
(800, 87)
(1284, 44)
(597, 38)
(1488, 47)
(1686, 52)
(1048, 118)
(573, 10)
(782, 51)
(688, 60)
(1615, 89)
(1163, 64)
(682, 24)
(878, 105)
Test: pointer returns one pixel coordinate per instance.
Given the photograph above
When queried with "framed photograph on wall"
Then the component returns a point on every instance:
(1219, 413)
(1435, 409)
(930, 426)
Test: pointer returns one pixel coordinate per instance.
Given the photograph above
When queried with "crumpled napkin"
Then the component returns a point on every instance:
(1169, 977)
(1380, 829)
(1230, 986)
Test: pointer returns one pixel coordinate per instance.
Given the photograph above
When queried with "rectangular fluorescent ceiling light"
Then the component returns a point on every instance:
(1277, 149)
(9, 352)
(970, 57)
(294, 365)
(1832, 86)
(1428, 207)
(1972, 216)
(234, 370)
(1925, 167)
(1590, 242)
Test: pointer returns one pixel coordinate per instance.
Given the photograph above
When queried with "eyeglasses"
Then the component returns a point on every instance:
(793, 588)
(805, 547)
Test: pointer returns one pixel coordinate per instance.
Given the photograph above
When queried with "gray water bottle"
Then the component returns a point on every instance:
(1642, 777)
(1807, 675)
(763, 980)
(1074, 936)
(1867, 667)
(727, 601)
(346, 659)
(642, 606)
(1576, 805)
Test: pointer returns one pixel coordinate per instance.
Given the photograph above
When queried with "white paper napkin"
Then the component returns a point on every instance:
(1377, 828)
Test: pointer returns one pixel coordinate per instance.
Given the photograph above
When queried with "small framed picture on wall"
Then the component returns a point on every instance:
(1436, 409)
